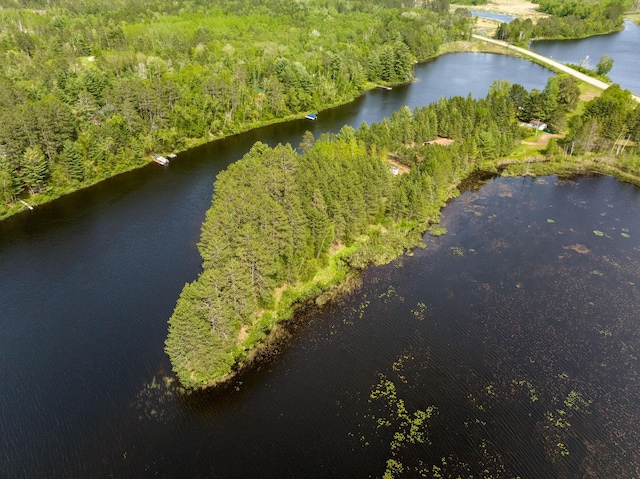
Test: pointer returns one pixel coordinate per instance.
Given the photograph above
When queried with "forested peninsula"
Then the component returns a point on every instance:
(566, 19)
(286, 225)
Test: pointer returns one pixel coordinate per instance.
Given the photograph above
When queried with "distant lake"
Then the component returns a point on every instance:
(623, 47)
(492, 16)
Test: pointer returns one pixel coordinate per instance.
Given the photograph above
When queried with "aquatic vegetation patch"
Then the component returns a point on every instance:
(529, 387)
(362, 307)
(576, 401)
(409, 428)
(498, 244)
(419, 311)
(437, 231)
(390, 294)
(155, 401)
(578, 248)
(403, 425)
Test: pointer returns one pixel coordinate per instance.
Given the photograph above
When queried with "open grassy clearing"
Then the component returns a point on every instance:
(474, 46)
(518, 8)
(531, 146)
(587, 93)
(486, 27)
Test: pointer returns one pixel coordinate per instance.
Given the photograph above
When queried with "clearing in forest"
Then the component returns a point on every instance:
(517, 8)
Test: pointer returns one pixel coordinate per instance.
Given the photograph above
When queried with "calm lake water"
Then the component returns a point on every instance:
(87, 284)
(623, 47)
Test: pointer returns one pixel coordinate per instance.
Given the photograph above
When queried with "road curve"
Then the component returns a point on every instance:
(580, 76)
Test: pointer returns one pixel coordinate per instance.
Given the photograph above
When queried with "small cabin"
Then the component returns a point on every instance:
(538, 125)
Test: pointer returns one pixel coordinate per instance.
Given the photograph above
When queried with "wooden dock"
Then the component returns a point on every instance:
(26, 204)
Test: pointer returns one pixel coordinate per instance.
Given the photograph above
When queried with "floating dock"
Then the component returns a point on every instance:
(171, 156)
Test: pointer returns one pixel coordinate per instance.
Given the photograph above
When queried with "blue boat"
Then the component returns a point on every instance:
(312, 117)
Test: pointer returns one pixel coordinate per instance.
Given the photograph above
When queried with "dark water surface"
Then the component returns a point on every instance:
(87, 284)
(519, 328)
(623, 47)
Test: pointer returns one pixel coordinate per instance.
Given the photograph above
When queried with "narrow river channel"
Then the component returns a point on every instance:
(87, 284)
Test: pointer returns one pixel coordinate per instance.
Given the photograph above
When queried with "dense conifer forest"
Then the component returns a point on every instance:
(89, 89)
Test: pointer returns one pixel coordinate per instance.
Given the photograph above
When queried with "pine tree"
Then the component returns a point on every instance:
(73, 161)
(307, 142)
(35, 169)
(403, 61)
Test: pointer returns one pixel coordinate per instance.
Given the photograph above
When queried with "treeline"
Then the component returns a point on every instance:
(551, 105)
(277, 214)
(567, 19)
(89, 88)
